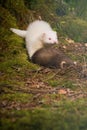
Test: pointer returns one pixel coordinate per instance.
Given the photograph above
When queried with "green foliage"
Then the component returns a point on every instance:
(79, 7)
(62, 8)
(67, 117)
(32, 3)
(74, 28)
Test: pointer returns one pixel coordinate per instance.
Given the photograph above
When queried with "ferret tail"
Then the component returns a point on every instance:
(21, 33)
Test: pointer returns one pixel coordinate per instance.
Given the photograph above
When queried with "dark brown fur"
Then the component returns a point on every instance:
(51, 57)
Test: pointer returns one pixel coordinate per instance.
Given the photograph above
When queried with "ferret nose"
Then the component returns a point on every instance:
(56, 42)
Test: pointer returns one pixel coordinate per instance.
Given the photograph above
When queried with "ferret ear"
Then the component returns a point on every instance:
(44, 34)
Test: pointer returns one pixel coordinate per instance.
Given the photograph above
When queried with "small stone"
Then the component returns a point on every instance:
(64, 47)
(85, 44)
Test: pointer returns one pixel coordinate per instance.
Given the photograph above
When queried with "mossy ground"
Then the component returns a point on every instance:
(68, 115)
(37, 98)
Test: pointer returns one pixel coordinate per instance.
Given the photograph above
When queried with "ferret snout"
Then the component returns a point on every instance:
(55, 42)
(63, 63)
(75, 63)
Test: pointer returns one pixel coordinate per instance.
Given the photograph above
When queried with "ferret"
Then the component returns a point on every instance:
(36, 36)
(52, 57)
(37, 33)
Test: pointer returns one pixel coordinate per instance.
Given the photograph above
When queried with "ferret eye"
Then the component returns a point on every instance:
(49, 38)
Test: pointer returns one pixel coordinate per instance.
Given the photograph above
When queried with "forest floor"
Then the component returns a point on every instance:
(39, 88)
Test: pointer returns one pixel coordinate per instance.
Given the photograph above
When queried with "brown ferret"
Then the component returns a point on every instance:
(52, 57)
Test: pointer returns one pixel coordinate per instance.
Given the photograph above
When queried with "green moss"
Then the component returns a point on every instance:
(17, 97)
(7, 20)
(66, 117)
(18, 9)
(53, 83)
(69, 84)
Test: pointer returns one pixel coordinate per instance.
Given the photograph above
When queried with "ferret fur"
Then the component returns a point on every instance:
(37, 33)
(52, 57)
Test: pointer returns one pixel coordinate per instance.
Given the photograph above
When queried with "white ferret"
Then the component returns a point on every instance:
(37, 33)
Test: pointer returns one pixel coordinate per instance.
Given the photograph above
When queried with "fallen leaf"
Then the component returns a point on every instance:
(62, 91)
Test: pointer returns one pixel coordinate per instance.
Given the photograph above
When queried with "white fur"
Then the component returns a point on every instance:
(37, 33)
(21, 33)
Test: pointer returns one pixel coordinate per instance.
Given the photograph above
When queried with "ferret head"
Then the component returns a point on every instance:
(50, 37)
